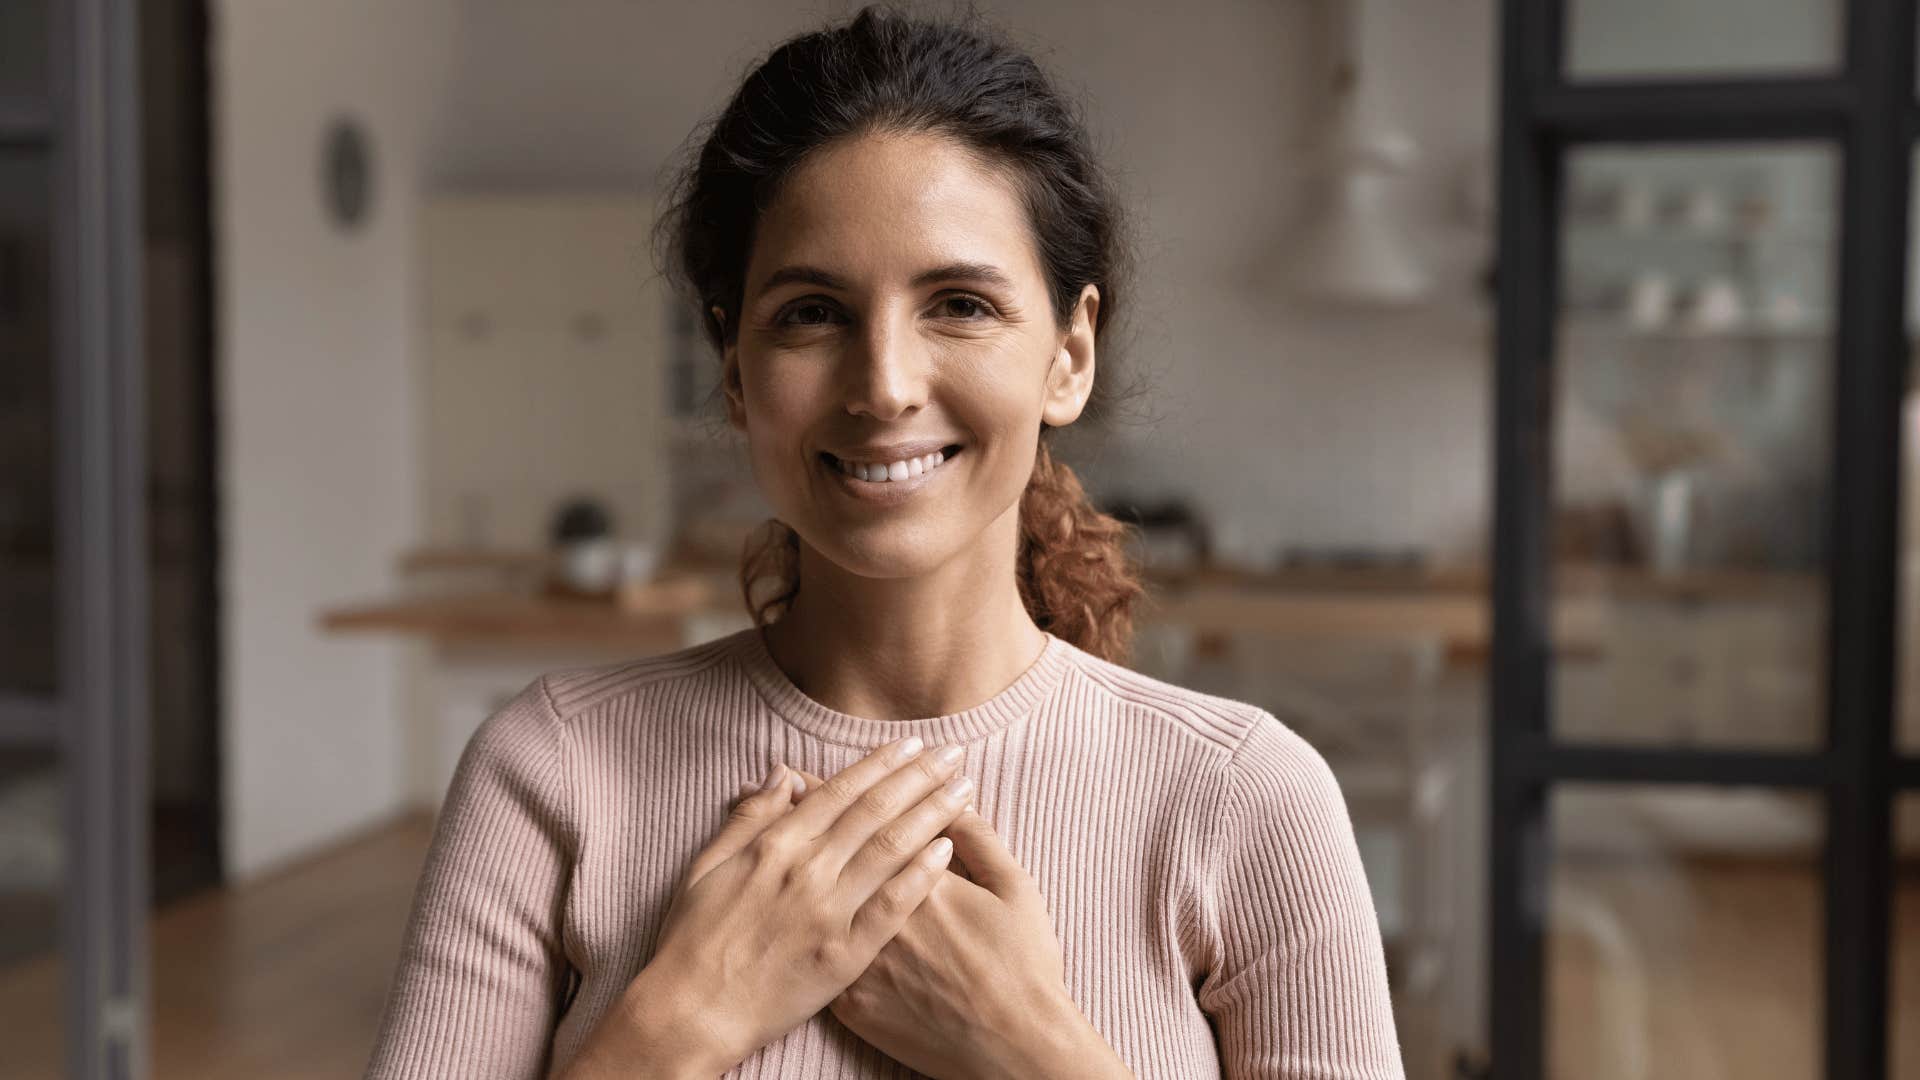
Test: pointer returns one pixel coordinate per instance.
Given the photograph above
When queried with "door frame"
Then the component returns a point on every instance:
(1867, 112)
(98, 718)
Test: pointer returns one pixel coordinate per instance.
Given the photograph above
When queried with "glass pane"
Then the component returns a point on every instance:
(24, 45)
(1702, 38)
(1904, 1020)
(1683, 934)
(27, 579)
(1692, 446)
(32, 876)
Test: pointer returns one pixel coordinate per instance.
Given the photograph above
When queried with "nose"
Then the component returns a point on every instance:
(886, 371)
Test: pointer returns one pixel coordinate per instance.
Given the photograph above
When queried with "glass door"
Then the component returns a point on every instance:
(1702, 356)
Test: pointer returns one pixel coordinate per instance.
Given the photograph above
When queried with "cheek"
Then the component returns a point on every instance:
(781, 403)
(999, 403)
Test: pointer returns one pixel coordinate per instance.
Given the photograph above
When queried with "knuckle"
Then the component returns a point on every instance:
(803, 879)
(891, 845)
(829, 954)
(771, 846)
(879, 803)
(890, 901)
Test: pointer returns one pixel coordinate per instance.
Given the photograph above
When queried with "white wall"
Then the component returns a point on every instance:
(317, 440)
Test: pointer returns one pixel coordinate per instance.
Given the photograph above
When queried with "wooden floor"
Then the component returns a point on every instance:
(1714, 972)
(283, 978)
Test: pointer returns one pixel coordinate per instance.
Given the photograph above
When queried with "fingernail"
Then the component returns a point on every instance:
(773, 774)
(749, 788)
(908, 748)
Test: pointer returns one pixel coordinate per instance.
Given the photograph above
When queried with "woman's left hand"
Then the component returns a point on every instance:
(973, 984)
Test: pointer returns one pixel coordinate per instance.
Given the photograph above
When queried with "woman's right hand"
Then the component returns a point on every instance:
(791, 902)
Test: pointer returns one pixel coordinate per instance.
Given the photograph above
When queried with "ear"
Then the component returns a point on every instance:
(730, 374)
(1070, 378)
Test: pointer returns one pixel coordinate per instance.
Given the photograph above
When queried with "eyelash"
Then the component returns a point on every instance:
(803, 304)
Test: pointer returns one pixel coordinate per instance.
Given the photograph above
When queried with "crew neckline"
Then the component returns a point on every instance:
(1013, 702)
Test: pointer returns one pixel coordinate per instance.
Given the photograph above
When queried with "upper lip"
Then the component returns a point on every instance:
(877, 452)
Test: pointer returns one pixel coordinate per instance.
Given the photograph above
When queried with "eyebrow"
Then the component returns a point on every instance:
(955, 271)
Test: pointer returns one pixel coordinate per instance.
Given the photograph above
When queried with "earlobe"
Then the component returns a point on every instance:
(1070, 378)
(730, 386)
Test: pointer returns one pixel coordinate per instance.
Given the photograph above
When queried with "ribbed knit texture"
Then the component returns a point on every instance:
(1196, 857)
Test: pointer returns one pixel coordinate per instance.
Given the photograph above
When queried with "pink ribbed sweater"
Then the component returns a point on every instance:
(1196, 857)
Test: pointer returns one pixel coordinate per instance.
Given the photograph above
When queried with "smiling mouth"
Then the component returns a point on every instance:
(947, 453)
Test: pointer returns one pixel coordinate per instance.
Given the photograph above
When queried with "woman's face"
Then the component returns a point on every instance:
(894, 296)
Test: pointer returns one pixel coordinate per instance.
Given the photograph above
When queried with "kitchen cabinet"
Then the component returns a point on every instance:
(545, 334)
(1680, 669)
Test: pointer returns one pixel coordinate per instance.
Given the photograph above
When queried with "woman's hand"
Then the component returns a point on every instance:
(974, 981)
(791, 902)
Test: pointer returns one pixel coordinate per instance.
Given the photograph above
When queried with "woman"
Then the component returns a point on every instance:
(907, 255)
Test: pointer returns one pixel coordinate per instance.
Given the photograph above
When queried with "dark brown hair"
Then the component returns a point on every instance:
(884, 71)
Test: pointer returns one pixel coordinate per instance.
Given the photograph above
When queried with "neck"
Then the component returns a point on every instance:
(914, 647)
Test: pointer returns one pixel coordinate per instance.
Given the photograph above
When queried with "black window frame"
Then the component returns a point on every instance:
(1867, 111)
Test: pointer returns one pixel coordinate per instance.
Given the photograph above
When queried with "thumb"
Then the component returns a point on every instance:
(991, 866)
(750, 816)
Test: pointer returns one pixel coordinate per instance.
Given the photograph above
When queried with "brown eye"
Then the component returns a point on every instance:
(973, 306)
(792, 316)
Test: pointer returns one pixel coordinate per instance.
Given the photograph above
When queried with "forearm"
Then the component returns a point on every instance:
(647, 1035)
(1053, 1041)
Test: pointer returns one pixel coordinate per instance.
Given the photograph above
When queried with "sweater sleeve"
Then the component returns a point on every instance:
(1298, 984)
(482, 975)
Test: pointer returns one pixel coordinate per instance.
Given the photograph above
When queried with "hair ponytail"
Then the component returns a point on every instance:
(1077, 576)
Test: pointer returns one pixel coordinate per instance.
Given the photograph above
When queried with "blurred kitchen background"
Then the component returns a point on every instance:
(345, 313)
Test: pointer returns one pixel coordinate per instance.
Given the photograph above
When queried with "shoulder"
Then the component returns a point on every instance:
(1257, 766)
(1235, 729)
(574, 691)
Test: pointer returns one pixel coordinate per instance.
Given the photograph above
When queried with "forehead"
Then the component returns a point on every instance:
(895, 202)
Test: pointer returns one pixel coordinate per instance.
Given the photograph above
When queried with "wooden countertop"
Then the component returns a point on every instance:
(1447, 603)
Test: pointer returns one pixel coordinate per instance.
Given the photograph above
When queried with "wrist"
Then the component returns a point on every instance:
(654, 1030)
(1052, 1040)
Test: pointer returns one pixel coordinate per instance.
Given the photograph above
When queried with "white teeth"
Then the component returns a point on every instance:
(896, 470)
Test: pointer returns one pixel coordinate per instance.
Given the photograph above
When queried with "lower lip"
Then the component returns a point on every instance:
(884, 492)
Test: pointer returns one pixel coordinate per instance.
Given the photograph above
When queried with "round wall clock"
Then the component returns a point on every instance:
(347, 173)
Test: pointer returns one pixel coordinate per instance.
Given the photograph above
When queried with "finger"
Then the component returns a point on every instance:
(927, 805)
(821, 809)
(954, 866)
(891, 821)
(990, 865)
(749, 818)
(881, 918)
(813, 781)
(800, 786)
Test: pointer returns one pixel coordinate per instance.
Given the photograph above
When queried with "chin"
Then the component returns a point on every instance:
(885, 560)
(889, 550)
